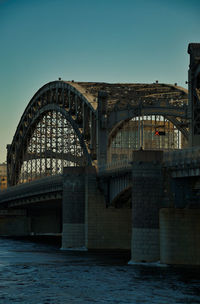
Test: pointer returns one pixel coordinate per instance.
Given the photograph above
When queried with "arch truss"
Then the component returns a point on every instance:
(76, 123)
(56, 130)
(150, 132)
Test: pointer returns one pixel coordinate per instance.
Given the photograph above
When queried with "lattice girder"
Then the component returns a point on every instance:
(78, 103)
(59, 97)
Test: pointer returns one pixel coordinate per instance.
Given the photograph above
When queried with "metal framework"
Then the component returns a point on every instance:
(194, 89)
(152, 132)
(139, 101)
(56, 130)
(74, 123)
(52, 146)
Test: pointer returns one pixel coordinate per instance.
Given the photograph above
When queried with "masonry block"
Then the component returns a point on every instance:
(180, 236)
(106, 228)
(73, 234)
(146, 199)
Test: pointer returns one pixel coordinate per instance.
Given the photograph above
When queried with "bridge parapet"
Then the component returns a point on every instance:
(38, 187)
(114, 166)
(183, 157)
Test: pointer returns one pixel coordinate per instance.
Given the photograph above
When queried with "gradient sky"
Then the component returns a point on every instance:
(89, 40)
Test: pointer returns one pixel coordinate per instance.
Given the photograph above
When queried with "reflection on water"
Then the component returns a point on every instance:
(42, 274)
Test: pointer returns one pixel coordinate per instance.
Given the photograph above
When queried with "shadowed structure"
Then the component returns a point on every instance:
(79, 123)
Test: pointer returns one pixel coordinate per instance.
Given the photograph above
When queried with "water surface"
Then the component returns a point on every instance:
(43, 274)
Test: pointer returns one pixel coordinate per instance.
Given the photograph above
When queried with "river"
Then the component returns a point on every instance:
(39, 273)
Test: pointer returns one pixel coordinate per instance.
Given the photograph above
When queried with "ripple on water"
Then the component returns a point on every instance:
(36, 273)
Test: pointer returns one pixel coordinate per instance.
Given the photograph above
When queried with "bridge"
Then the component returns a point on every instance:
(109, 166)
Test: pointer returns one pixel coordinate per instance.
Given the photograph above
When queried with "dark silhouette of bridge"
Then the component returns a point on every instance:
(109, 166)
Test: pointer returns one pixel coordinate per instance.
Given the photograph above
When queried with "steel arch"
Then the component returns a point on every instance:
(171, 112)
(64, 98)
(118, 123)
(30, 130)
(79, 100)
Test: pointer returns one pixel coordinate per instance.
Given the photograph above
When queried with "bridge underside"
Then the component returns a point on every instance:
(42, 217)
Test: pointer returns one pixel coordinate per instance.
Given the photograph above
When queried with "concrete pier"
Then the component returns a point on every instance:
(106, 228)
(73, 234)
(180, 236)
(146, 198)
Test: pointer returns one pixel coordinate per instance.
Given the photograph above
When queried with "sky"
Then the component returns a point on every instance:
(85, 40)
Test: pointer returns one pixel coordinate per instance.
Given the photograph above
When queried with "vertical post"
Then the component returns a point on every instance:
(40, 147)
(194, 94)
(69, 99)
(92, 131)
(139, 142)
(86, 120)
(73, 234)
(76, 106)
(102, 128)
(9, 164)
(146, 198)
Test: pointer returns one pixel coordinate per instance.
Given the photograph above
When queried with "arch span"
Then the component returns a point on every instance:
(56, 97)
(78, 102)
(152, 132)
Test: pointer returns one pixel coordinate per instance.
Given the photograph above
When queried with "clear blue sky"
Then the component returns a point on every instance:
(89, 40)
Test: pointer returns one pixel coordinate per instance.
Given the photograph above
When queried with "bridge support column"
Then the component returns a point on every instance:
(146, 199)
(73, 234)
(106, 228)
(180, 236)
(102, 128)
(194, 94)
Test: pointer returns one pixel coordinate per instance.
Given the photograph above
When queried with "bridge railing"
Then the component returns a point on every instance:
(179, 157)
(120, 164)
(43, 185)
(182, 157)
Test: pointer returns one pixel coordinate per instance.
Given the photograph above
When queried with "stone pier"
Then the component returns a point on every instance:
(146, 200)
(73, 234)
(106, 228)
(180, 236)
